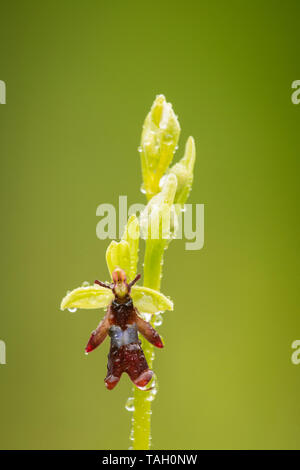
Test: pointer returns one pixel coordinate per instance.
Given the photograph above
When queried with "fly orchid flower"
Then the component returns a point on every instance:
(124, 302)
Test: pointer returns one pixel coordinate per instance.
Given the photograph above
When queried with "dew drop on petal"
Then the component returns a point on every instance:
(72, 310)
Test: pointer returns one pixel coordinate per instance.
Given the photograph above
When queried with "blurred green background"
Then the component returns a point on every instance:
(81, 77)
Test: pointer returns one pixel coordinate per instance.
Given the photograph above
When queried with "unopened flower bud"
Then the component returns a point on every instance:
(160, 136)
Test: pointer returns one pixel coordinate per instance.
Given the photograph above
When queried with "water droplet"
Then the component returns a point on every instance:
(72, 310)
(147, 316)
(158, 320)
(130, 404)
(85, 284)
(140, 149)
(142, 189)
(162, 181)
(154, 389)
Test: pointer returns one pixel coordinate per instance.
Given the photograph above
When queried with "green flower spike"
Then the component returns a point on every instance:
(123, 254)
(159, 221)
(159, 140)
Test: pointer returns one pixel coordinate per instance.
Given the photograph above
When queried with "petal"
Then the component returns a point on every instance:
(99, 335)
(149, 332)
(147, 300)
(87, 297)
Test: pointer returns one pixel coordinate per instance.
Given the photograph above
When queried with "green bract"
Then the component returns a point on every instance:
(158, 225)
(184, 172)
(157, 219)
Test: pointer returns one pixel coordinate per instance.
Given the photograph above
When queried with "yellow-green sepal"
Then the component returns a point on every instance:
(124, 254)
(148, 300)
(118, 255)
(87, 298)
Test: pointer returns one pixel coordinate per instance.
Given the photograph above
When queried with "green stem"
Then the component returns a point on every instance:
(141, 421)
(153, 263)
